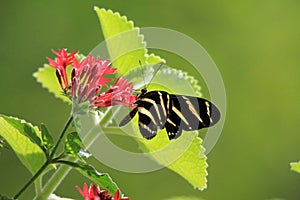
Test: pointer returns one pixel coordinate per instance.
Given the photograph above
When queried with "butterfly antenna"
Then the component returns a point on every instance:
(154, 74)
(142, 70)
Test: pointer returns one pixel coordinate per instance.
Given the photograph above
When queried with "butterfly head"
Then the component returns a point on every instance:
(140, 96)
(143, 91)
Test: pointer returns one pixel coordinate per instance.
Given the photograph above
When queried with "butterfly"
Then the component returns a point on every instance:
(159, 110)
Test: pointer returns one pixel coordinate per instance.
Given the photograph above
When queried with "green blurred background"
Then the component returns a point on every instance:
(255, 44)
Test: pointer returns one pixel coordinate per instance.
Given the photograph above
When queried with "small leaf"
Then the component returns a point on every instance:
(295, 166)
(46, 137)
(103, 180)
(73, 143)
(74, 146)
(46, 76)
(15, 132)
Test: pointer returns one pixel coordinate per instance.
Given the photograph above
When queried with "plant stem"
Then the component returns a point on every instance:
(38, 186)
(45, 165)
(62, 171)
(61, 136)
(66, 162)
(58, 176)
(36, 175)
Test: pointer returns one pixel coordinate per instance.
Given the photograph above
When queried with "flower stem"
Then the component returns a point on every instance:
(38, 186)
(61, 136)
(48, 161)
(62, 171)
(55, 180)
(36, 175)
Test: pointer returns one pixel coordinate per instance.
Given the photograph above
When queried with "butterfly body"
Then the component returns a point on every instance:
(159, 109)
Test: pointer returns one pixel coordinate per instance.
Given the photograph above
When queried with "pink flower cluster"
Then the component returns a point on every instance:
(94, 193)
(88, 78)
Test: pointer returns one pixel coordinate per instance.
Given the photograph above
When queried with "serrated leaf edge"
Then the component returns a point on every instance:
(35, 75)
(183, 75)
(139, 34)
(23, 121)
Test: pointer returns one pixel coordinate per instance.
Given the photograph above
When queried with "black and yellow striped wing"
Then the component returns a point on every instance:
(153, 109)
(190, 113)
(158, 110)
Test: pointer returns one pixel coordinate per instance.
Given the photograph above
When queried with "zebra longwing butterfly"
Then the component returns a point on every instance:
(159, 109)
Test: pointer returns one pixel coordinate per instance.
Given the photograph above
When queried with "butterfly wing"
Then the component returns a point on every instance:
(190, 113)
(158, 110)
(172, 127)
(153, 111)
(147, 126)
(128, 117)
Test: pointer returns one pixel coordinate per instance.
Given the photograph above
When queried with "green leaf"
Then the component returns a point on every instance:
(23, 139)
(175, 81)
(295, 166)
(46, 76)
(27, 129)
(46, 137)
(103, 180)
(191, 165)
(153, 59)
(185, 155)
(126, 46)
(73, 144)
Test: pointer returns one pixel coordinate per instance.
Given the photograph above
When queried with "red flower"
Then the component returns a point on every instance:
(94, 193)
(89, 194)
(63, 59)
(103, 68)
(119, 94)
(88, 78)
(116, 197)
